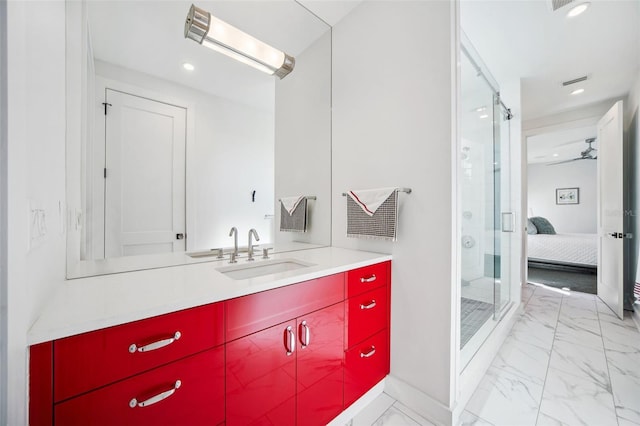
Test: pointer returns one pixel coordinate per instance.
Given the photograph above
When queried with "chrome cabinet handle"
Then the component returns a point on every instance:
(371, 351)
(370, 305)
(370, 279)
(290, 345)
(159, 397)
(305, 334)
(155, 345)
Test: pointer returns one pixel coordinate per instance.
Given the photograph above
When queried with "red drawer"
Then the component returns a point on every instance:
(365, 365)
(366, 315)
(199, 399)
(255, 312)
(87, 361)
(367, 278)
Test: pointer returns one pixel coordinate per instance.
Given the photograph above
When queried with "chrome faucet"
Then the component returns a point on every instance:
(234, 233)
(250, 245)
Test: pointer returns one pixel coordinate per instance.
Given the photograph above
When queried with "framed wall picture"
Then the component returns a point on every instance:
(568, 196)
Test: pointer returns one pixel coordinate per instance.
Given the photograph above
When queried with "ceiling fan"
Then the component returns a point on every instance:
(587, 154)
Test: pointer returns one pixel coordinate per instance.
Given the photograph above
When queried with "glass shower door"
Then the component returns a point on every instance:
(485, 202)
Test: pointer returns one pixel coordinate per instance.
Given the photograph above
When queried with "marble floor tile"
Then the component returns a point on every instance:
(373, 411)
(624, 368)
(580, 317)
(530, 329)
(624, 422)
(523, 359)
(619, 337)
(470, 419)
(575, 401)
(503, 398)
(412, 414)
(395, 417)
(581, 361)
(544, 420)
(578, 334)
(580, 300)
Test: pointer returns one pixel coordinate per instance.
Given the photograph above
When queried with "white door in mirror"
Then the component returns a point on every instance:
(144, 176)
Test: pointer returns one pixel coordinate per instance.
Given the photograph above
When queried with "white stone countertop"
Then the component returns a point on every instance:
(92, 303)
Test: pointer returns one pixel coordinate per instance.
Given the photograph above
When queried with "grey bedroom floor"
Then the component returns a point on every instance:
(567, 361)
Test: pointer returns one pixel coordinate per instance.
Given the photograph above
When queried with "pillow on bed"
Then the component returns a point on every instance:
(531, 228)
(543, 225)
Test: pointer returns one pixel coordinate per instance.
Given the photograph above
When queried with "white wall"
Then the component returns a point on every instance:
(569, 218)
(303, 141)
(3, 212)
(392, 126)
(36, 146)
(231, 153)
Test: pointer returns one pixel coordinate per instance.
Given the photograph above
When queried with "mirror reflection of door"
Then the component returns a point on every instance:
(144, 177)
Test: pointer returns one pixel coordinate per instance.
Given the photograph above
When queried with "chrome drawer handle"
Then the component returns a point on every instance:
(290, 344)
(305, 334)
(372, 351)
(159, 397)
(155, 345)
(371, 279)
(371, 305)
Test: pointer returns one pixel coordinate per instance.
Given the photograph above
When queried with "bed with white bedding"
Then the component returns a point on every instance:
(573, 250)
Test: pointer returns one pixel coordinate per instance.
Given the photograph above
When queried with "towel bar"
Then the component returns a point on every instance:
(407, 190)
(308, 197)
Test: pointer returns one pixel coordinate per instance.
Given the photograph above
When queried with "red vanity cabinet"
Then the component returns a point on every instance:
(292, 371)
(367, 329)
(298, 354)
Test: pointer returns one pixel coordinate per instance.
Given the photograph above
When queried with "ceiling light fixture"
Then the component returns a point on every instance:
(484, 116)
(480, 109)
(577, 10)
(555, 155)
(187, 66)
(224, 38)
(577, 91)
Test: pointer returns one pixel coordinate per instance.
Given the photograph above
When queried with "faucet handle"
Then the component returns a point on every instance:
(220, 253)
(265, 252)
(232, 257)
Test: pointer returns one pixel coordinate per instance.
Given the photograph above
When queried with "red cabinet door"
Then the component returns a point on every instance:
(365, 365)
(41, 385)
(320, 365)
(261, 377)
(87, 361)
(366, 315)
(197, 398)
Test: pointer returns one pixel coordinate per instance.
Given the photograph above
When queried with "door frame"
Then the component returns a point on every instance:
(96, 154)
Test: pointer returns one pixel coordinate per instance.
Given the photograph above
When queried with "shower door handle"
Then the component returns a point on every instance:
(508, 221)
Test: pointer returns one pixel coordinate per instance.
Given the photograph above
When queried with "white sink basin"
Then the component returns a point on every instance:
(245, 270)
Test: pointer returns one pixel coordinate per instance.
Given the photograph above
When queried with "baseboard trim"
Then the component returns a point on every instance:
(418, 401)
(366, 399)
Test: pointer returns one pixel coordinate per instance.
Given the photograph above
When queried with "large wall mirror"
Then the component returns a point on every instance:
(171, 144)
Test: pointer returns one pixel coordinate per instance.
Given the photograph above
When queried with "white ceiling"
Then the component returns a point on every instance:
(524, 39)
(559, 145)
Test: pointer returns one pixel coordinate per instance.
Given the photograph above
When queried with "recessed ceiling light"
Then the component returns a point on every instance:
(555, 155)
(187, 66)
(577, 10)
(484, 116)
(480, 109)
(577, 91)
